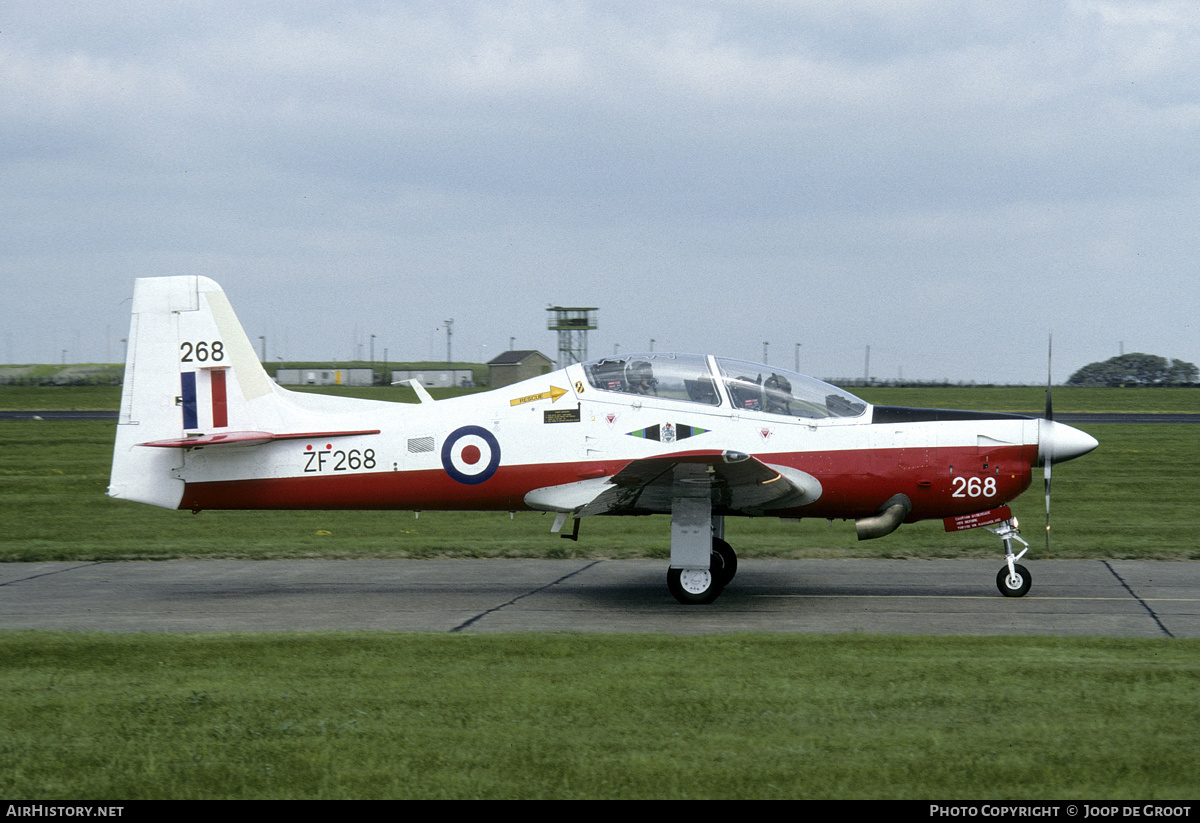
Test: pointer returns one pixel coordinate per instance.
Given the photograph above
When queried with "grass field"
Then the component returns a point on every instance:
(1136, 496)
(741, 716)
(550, 716)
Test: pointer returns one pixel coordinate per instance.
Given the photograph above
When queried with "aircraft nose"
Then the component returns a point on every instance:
(1062, 442)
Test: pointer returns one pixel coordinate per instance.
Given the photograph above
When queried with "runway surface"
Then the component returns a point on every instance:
(1114, 598)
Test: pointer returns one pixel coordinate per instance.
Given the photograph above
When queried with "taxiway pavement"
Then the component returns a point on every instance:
(1116, 598)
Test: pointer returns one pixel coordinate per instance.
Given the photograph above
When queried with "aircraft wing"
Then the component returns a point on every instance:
(735, 482)
(245, 438)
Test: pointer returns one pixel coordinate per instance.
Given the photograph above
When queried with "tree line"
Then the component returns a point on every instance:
(1136, 370)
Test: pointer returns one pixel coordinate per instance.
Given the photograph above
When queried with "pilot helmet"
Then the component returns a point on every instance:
(777, 384)
(777, 390)
(639, 371)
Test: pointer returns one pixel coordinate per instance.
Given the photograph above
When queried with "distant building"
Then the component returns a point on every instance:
(435, 378)
(515, 366)
(325, 377)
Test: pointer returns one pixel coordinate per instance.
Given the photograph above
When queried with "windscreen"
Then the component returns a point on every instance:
(756, 387)
(684, 377)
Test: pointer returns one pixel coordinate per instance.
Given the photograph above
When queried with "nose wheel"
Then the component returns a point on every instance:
(1013, 583)
(1013, 579)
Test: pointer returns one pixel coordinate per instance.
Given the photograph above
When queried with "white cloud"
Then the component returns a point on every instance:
(714, 159)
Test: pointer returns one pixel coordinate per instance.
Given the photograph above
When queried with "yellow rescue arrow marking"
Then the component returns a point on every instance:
(554, 393)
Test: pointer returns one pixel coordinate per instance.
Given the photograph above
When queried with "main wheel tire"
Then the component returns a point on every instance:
(724, 561)
(693, 587)
(1014, 586)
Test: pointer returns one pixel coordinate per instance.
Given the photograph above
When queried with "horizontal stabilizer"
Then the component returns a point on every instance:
(246, 439)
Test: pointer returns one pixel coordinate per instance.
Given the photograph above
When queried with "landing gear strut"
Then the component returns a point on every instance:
(1013, 579)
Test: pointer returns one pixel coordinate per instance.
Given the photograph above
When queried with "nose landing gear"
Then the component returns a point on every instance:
(1013, 579)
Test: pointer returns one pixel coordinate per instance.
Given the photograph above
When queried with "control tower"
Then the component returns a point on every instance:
(572, 324)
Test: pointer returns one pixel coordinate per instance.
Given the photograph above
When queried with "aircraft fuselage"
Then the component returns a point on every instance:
(428, 456)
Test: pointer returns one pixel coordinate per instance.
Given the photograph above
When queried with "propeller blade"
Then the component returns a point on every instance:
(1048, 464)
(1049, 376)
(1048, 454)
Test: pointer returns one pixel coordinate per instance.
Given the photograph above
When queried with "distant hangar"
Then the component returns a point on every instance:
(515, 366)
(503, 370)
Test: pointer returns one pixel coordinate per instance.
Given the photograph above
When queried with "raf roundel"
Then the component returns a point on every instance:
(471, 455)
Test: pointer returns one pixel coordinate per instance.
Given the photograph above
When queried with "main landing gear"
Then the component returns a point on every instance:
(1013, 579)
(702, 563)
(697, 587)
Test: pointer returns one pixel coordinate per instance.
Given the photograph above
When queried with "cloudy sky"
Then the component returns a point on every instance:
(943, 182)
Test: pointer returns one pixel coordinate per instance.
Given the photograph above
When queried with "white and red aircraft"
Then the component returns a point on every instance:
(202, 426)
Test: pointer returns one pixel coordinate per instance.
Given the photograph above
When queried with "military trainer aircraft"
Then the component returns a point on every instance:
(696, 437)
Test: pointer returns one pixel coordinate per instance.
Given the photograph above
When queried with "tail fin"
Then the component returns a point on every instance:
(192, 379)
(190, 367)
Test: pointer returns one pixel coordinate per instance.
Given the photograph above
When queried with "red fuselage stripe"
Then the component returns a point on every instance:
(854, 484)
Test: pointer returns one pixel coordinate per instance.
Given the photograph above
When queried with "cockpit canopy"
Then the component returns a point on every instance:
(696, 378)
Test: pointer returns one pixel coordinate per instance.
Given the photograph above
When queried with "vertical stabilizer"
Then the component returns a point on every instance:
(190, 369)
